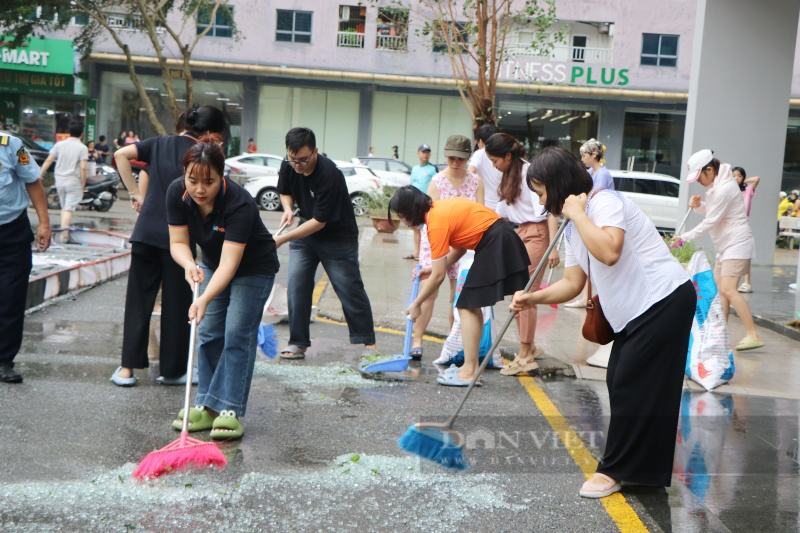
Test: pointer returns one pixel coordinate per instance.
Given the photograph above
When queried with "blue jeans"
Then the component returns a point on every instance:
(340, 261)
(227, 342)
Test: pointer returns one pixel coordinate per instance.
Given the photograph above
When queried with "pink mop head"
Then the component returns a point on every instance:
(178, 455)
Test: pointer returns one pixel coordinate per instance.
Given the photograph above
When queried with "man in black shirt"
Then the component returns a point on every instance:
(102, 150)
(329, 236)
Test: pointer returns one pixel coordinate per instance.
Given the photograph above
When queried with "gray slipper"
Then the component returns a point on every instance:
(123, 382)
(293, 352)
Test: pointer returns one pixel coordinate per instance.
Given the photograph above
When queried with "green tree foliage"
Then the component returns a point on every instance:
(165, 24)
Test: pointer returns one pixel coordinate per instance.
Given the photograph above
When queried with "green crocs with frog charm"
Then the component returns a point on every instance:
(226, 426)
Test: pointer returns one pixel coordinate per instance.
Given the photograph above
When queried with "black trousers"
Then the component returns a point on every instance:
(15, 267)
(645, 379)
(151, 268)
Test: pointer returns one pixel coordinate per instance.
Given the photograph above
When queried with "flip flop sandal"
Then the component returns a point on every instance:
(199, 420)
(517, 367)
(416, 353)
(227, 426)
(600, 490)
(748, 343)
(451, 379)
(293, 352)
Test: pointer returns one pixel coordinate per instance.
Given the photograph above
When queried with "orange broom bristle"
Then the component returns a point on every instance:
(178, 455)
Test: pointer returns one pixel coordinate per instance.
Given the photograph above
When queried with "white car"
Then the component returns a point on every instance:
(655, 194)
(392, 172)
(361, 184)
(247, 166)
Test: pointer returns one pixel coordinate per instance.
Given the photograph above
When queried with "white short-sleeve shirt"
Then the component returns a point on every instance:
(526, 208)
(646, 272)
(490, 176)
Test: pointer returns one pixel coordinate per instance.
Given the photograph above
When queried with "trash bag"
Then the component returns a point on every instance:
(453, 348)
(710, 358)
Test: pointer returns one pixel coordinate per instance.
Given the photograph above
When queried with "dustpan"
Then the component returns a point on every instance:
(399, 362)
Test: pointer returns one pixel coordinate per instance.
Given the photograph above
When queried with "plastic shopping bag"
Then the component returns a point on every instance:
(710, 358)
(453, 348)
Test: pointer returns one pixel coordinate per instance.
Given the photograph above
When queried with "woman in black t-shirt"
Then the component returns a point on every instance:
(152, 267)
(235, 277)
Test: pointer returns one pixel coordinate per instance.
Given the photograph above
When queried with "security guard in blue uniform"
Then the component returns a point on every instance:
(19, 180)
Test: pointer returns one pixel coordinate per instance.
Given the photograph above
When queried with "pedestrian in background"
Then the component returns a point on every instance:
(395, 154)
(519, 205)
(748, 188)
(151, 262)
(483, 167)
(119, 142)
(455, 181)
(592, 152)
(91, 163)
(251, 147)
(649, 302)
(72, 165)
(500, 267)
(102, 150)
(328, 235)
(19, 181)
(235, 276)
(421, 176)
(725, 219)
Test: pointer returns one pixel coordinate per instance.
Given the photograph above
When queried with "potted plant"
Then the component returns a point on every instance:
(378, 209)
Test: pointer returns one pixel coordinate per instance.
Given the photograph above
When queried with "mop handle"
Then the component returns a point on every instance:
(190, 363)
(510, 318)
(683, 222)
(558, 247)
(409, 322)
(283, 226)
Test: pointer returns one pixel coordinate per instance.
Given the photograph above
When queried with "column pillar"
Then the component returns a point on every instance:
(741, 80)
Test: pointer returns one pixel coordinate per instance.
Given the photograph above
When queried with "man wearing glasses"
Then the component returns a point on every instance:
(328, 235)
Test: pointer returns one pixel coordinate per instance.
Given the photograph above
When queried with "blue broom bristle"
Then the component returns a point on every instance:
(434, 446)
(268, 340)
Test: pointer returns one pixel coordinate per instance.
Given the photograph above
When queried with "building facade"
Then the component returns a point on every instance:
(365, 75)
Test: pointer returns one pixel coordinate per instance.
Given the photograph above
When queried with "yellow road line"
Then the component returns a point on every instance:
(617, 508)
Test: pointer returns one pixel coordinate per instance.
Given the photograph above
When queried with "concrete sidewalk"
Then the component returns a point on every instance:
(772, 371)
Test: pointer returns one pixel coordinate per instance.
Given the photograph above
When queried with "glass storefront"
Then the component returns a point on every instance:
(120, 107)
(791, 158)
(331, 114)
(653, 142)
(538, 125)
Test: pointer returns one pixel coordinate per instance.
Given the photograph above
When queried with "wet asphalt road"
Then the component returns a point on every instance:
(319, 452)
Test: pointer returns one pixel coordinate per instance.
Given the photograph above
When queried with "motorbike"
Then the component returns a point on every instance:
(99, 194)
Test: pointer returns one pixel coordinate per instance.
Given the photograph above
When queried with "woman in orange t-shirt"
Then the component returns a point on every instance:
(500, 268)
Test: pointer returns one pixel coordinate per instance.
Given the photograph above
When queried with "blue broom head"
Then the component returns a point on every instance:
(268, 340)
(433, 445)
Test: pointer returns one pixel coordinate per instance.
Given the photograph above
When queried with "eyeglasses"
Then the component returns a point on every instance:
(299, 162)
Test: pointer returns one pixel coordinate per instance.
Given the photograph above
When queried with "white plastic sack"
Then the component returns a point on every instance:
(710, 358)
(453, 348)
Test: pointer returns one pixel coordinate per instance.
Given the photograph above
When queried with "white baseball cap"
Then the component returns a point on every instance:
(697, 162)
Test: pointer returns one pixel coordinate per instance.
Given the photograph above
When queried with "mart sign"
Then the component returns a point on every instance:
(51, 56)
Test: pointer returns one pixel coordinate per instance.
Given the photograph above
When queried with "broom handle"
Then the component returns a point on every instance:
(409, 322)
(283, 226)
(683, 222)
(190, 363)
(558, 247)
(510, 318)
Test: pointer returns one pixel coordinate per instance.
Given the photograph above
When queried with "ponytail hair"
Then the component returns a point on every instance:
(206, 155)
(202, 119)
(510, 186)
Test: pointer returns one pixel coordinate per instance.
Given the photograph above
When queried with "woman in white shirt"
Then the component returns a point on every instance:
(649, 302)
(520, 206)
(726, 221)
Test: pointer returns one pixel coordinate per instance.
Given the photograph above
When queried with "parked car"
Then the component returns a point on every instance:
(392, 172)
(38, 153)
(655, 194)
(245, 166)
(361, 184)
